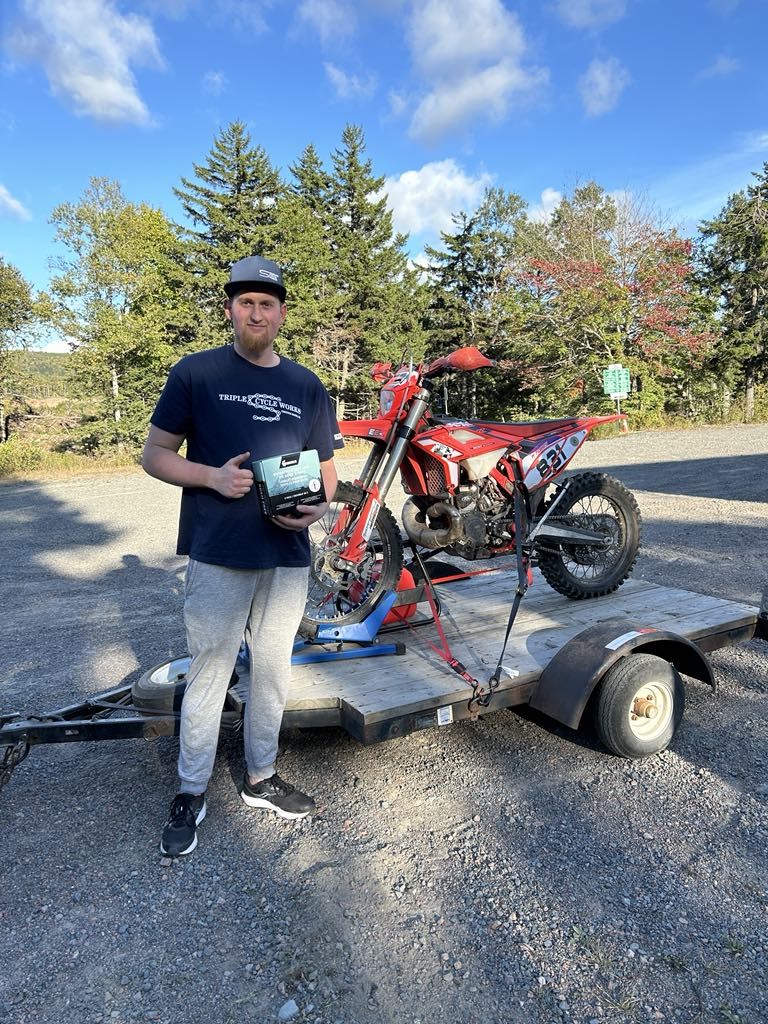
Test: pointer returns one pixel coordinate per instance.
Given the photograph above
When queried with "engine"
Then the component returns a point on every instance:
(475, 522)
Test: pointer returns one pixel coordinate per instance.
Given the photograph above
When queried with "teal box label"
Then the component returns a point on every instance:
(285, 481)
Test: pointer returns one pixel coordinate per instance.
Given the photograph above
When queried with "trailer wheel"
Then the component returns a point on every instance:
(162, 687)
(639, 706)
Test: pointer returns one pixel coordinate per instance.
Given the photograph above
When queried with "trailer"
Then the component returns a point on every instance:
(622, 656)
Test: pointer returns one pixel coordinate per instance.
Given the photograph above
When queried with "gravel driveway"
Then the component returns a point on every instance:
(499, 871)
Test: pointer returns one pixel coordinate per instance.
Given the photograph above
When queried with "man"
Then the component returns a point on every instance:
(247, 575)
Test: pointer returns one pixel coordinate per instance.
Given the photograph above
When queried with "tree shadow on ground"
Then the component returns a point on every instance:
(735, 477)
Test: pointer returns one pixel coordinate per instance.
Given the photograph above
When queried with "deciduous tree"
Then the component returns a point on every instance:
(119, 299)
(609, 283)
(17, 320)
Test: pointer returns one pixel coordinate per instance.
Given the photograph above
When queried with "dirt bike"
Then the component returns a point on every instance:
(478, 490)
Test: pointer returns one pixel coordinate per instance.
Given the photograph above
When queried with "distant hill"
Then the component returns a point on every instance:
(44, 364)
(41, 374)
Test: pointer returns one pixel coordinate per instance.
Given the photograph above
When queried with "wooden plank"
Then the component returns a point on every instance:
(474, 617)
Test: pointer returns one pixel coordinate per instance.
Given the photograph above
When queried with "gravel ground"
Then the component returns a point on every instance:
(499, 871)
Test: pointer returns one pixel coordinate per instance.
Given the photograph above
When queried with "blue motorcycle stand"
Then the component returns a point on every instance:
(356, 640)
(359, 639)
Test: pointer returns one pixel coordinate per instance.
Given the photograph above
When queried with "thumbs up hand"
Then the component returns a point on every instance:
(231, 480)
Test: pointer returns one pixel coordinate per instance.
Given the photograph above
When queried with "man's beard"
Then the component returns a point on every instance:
(254, 343)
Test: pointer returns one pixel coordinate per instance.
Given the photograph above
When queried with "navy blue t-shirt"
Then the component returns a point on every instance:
(225, 405)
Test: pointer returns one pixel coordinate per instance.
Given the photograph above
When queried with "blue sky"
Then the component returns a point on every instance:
(663, 99)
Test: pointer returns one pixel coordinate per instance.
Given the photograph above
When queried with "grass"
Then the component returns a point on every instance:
(733, 945)
(21, 459)
(728, 1016)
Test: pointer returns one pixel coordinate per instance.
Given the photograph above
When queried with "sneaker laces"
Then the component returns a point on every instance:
(182, 807)
(280, 785)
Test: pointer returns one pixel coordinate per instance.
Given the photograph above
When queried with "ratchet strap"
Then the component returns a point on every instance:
(482, 694)
(524, 578)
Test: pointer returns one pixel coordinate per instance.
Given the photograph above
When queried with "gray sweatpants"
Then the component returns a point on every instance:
(221, 606)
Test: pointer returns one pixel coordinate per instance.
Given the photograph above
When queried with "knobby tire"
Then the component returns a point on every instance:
(594, 501)
(340, 597)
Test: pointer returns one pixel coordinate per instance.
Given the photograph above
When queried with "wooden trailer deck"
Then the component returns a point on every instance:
(378, 697)
(558, 652)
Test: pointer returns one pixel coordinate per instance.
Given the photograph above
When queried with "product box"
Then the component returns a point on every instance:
(285, 481)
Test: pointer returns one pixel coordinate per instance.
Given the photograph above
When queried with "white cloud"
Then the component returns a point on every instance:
(550, 200)
(423, 201)
(9, 204)
(602, 85)
(58, 345)
(591, 13)
(349, 86)
(471, 59)
(755, 142)
(398, 103)
(331, 19)
(87, 49)
(720, 67)
(449, 37)
(214, 82)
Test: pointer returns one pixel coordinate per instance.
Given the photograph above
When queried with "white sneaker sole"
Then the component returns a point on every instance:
(258, 801)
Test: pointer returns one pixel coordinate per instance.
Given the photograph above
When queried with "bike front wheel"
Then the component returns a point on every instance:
(339, 595)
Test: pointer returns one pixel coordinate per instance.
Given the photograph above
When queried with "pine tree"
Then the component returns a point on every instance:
(312, 182)
(378, 313)
(231, 205)
(473, 302)
(735, 260)
(303, 243)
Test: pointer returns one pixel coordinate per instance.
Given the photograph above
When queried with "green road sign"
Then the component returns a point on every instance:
(616, 380)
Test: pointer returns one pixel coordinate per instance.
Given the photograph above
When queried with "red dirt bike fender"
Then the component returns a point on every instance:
(365, 521)
(368, 430)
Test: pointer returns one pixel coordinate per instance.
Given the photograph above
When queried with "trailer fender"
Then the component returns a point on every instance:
(567, 682)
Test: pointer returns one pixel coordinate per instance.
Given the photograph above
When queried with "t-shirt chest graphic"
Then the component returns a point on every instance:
(267, 408)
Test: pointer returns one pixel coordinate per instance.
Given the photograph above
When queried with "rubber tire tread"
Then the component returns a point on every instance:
(551, 562)
(392, 551)
(617, 688)
(165, 697)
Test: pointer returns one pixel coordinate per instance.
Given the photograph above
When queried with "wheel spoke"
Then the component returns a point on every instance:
(340, 591)
(599, 504)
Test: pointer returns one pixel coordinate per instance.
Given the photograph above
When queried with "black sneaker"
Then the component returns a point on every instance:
(180, 833)
(278, 796)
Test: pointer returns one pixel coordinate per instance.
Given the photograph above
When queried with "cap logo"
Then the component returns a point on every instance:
(270, 275)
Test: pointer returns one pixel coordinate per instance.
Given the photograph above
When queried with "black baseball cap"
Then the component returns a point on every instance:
(255, 273)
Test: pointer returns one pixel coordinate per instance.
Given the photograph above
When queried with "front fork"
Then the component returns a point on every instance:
(376, 479)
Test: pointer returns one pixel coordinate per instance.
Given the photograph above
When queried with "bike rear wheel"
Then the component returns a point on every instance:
(598, 502)
(339, 595)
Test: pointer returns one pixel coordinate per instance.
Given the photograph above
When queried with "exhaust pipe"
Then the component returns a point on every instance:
(415, 523)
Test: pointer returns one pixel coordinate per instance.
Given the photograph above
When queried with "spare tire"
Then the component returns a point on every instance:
(161, 689)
